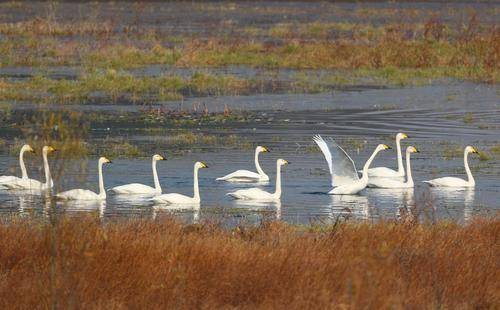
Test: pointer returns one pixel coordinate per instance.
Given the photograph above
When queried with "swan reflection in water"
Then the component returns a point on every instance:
(187, 212)
(452, 200)
(75, 206)
(259, 206)
(349, 206)
(395, 203)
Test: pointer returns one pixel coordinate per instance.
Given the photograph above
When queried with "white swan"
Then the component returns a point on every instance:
(249, 176)
(259, 194)
(345, 179)
(84, 194)
(388, 172)
(32, 184)
(141, 189)
(175, 198)
(457, 182)
(24, 174)
(394, 182)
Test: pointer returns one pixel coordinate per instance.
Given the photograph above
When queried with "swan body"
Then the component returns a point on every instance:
(345, 179)
(385, 172)
(83, 194)
(394, 182)
(4, 179)
(457, 182)
(32, 184)
(175, 198)
(259, 194)
(246, 175)
(141, 189)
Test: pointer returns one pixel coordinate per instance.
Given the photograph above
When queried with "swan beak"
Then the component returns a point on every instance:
(203, 165)
(286, 162)
(162, 158)
(52, 149)
(405, 136)
(416, 150)
(386, 147)
(265, 149)
(474, 150)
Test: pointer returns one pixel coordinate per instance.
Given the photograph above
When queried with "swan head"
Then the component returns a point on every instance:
(262, 149)
(412, 149)
(401, 136)
(48, 149)
(27, 148)
(471, 149)
(158, 157)
(200, 165)
(283, 162)
(104, 160)
(382, 147)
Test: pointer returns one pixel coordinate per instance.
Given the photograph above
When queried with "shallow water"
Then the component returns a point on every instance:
(432, 116)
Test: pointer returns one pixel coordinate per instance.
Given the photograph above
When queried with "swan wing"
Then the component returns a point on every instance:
(251, 194)
(133, 188)
(241, 175)
(173, 198)
(78, 194)
(342, 167)
(448, 182)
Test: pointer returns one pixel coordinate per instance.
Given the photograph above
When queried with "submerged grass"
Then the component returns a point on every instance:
(81, 262)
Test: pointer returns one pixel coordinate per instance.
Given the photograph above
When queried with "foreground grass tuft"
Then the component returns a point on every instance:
(163, 264)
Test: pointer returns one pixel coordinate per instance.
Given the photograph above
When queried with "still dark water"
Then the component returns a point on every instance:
(435, 117)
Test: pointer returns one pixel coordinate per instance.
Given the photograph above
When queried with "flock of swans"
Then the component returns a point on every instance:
(345, 179)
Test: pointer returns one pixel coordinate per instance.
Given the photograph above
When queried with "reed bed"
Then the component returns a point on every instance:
(82, 262)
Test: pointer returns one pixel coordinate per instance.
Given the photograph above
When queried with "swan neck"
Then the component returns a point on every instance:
(400, 157)
(46, 168)
(257, 164)
(155, 177)
(409, 178)
(467, 169)
(102, 191)
(24, 172)
(368, 163)
(195, 185)
(277, 193)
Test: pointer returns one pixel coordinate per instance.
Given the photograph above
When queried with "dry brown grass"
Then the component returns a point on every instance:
(83, 263)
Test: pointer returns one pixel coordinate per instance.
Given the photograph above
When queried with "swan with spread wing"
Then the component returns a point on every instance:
(345, 179)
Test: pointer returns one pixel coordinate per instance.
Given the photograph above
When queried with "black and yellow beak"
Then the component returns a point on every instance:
(405, 136)
(265, 149)
(203, 165)
(386, 147)
(474, 150)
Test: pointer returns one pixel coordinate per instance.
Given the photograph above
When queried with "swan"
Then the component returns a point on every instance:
(24, 173)
(32, 184)
(396, 183)
(388, 172)
(249, 176)
(345, 179)
(182, 199)
(259, 194)
(141, 189)
(84, 194)
(457, 182)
